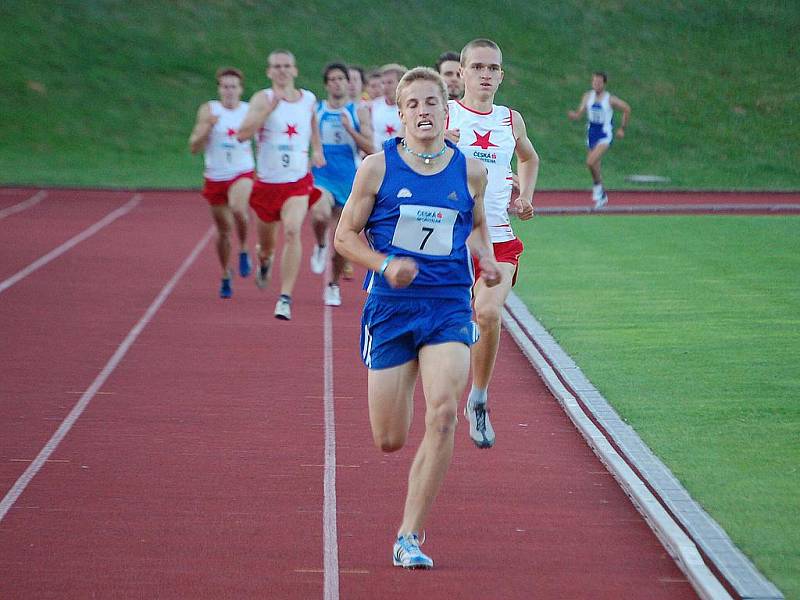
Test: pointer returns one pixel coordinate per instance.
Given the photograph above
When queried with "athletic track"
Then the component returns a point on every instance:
(157, 442)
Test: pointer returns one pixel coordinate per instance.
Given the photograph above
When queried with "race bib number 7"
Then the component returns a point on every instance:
(425, 229)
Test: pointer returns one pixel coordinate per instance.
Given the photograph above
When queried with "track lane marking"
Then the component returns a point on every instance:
(330, 544)
(50, 447)
(24, 205)
(72, 242)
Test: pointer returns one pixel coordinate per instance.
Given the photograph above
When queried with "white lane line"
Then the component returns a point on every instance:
(330, 546)
(50, 447)
(56, 252)
(25, 204)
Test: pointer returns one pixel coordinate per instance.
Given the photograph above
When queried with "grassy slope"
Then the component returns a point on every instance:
(102, 92)
(689, 326)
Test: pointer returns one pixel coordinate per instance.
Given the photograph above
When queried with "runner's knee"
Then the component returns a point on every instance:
(389, 441)
(442, 419)
(487, 315)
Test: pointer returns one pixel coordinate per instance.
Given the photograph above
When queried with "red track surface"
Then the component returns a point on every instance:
(197, 470)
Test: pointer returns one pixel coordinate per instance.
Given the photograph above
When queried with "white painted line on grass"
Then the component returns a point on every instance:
(50, 447)
(331, 549)
(25, 204)
(69, 244)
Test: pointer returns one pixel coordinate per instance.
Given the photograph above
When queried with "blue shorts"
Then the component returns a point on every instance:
(394, 329)
(598, 135)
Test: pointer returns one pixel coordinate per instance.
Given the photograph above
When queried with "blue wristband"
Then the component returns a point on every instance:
(385, 264)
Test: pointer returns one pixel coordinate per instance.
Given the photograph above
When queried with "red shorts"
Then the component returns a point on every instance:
(504, 252)
(267, 199)
(216, 192)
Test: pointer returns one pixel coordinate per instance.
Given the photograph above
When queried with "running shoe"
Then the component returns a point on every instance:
(347, 271)
(245, 264)
(283, 308)
(318, 258)
(332, 296)
(408, 555)
(263, 274)
(225, 290)
(601, 201)
(480, 428)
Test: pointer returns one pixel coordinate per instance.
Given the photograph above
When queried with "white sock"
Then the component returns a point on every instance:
(477, 396)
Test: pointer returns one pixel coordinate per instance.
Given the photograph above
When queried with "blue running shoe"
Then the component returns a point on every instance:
(408, 555)
(245, 266)
(225, 290)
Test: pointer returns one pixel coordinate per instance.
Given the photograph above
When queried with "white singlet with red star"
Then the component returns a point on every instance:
(284, 138)
(489, 137)
(386, 122)
(225, 157)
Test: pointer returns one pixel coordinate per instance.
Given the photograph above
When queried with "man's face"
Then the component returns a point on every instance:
(375, 87)
(482, 71)
(336, 84)
(281, 69)
(423, 111)
(450, 72)
(598, 85)
(356, 85)
(230, 90)
(390, 80)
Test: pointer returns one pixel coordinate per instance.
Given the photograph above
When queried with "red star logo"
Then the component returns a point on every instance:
(483, 141)
(231, 132)
(390, 130)
(291, 130)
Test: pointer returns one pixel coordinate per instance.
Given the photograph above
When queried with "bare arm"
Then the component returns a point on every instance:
(347, 240)
(623, 106)
(478, 240)
(578, 112)
(317, 156)
(202, 128)
(527, 167)
(362, 138)
(260, 108)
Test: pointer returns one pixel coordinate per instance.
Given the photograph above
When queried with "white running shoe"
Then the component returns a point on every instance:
(319, 256)
(283, 308)
(480, 428)
(332, 296)
(407, 554)
(602, 201)
(597, 192)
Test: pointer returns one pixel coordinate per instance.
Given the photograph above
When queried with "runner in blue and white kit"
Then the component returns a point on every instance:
(420, 203)
(345, 129)
(599, 105)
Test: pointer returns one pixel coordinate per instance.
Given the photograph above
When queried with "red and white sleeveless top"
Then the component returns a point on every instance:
(225, 156)
(283, 140)
(386, 122)
(489, 137)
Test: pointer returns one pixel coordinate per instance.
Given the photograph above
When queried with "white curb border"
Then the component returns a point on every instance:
(543, 351)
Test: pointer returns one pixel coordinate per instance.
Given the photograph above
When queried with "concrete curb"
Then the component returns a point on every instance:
(574, 392)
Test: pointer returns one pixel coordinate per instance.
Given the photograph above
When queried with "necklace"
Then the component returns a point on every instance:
(426, 158)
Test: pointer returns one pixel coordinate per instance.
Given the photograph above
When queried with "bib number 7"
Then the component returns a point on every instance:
(425, 229)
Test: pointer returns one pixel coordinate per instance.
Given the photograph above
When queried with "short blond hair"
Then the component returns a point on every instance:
(479, 43)
(422, 74)
(393, 68)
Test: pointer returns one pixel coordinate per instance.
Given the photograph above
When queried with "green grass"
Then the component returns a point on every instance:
(689, 327)
(102, 92)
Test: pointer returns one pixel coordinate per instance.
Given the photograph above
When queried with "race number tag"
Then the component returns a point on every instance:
(425, 229)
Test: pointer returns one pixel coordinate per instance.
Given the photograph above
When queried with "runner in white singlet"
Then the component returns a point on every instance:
(492, 134)
(386, 122)
(228, 169)
(599, 105)
(283, 119)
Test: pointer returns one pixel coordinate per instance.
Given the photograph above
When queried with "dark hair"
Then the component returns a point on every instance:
(358, 68)
(334, 66)
(445, 57)
(601, 74)
(223, 71)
